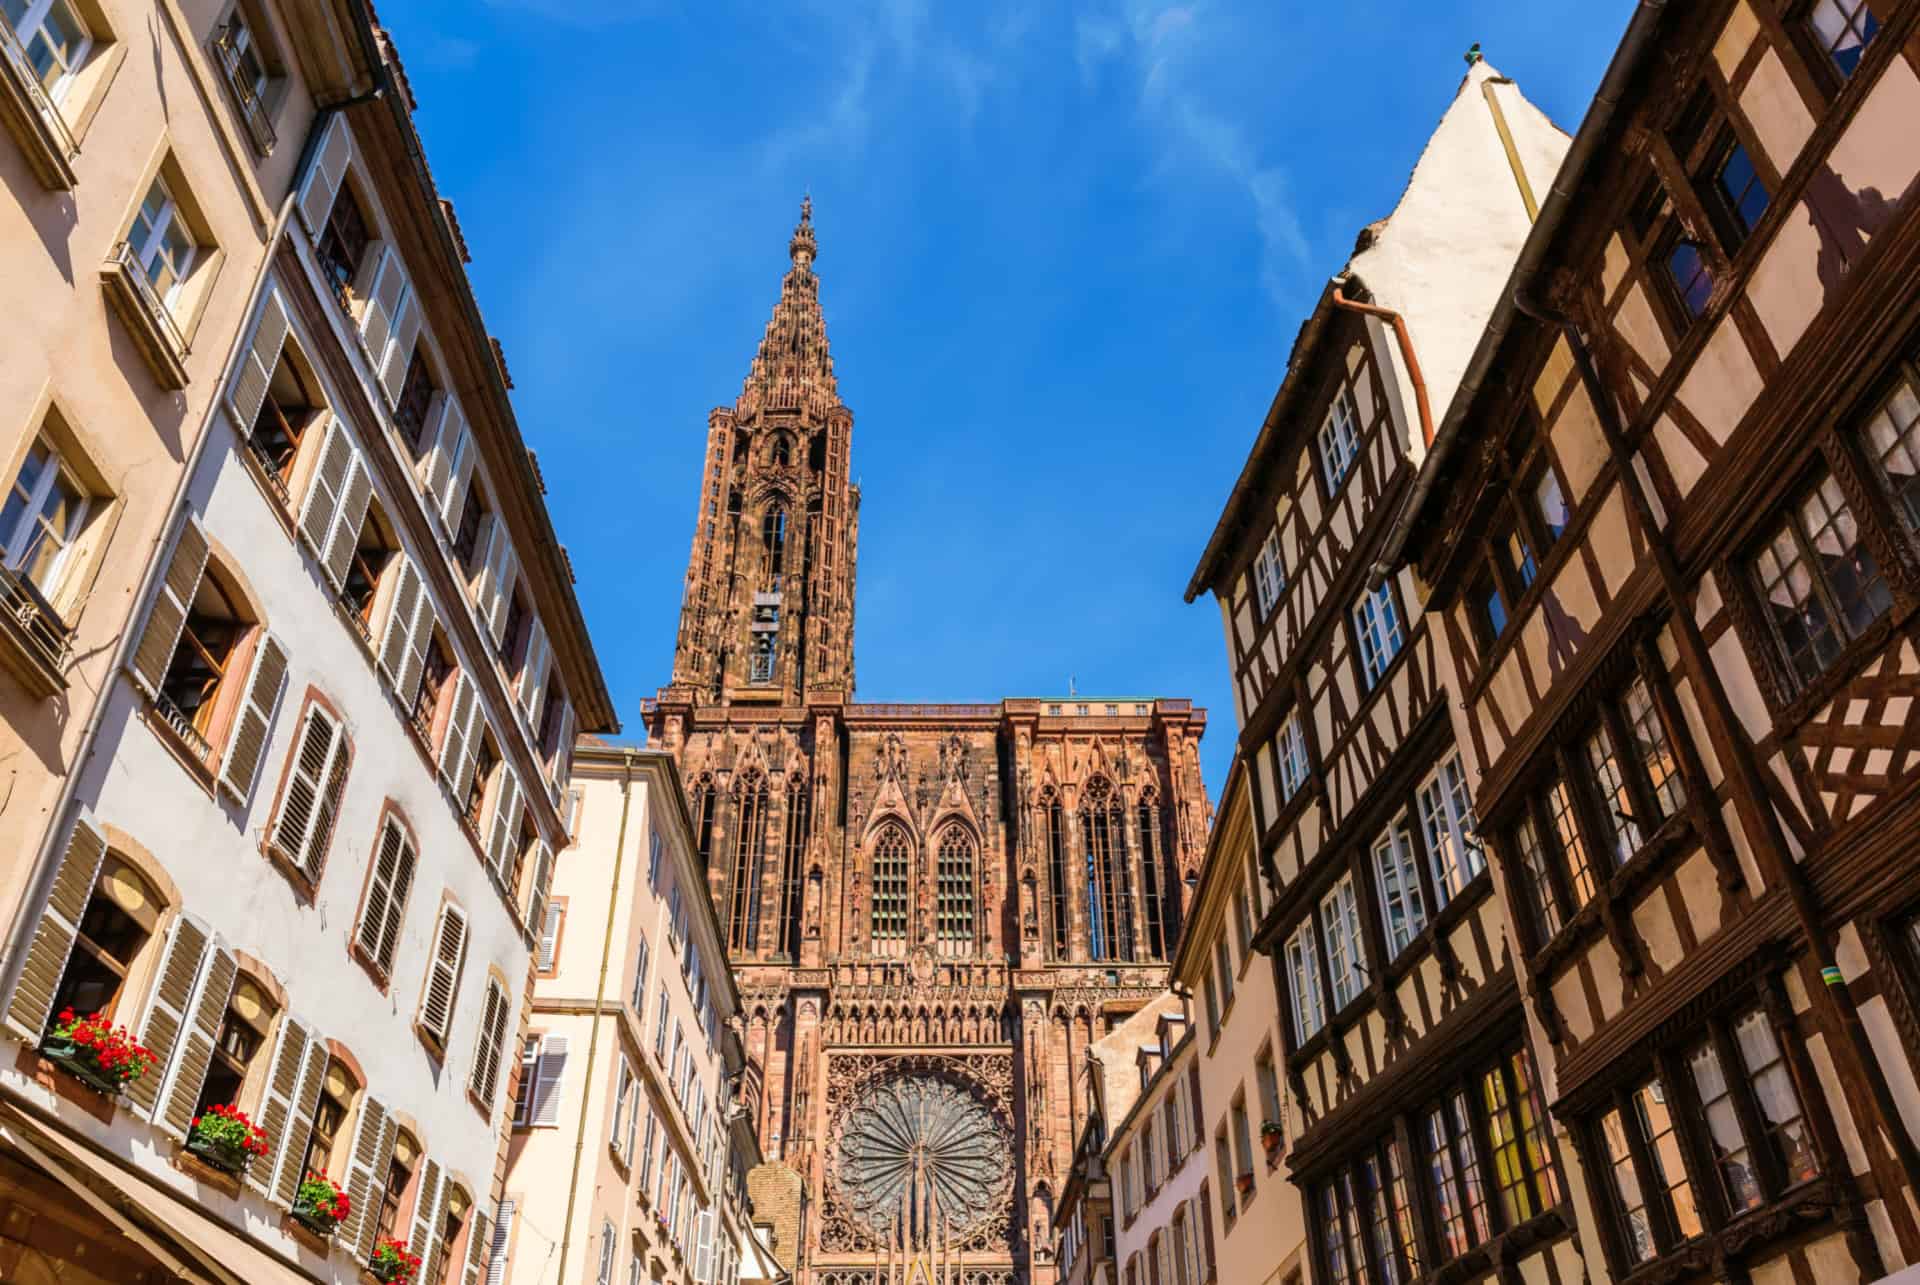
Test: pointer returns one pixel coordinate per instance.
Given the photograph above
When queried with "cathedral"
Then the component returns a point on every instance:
(933, 909)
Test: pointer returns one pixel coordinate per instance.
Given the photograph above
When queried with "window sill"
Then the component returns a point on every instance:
(220, 1180)
(147, 319)
(484, 1108)
(434, 1045)
(34, 120)
(304, 886)
(194, 754)
(379, 979)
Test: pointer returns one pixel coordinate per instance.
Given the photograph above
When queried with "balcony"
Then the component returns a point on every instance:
(37, 641)
(253, 111)
(32, 117)
(146, 316)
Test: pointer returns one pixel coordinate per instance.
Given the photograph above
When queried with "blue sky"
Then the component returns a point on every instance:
(1064, 249)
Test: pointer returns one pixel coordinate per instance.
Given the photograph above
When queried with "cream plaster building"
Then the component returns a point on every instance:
(629, 1155)
(303, 835)
(1155, 1155)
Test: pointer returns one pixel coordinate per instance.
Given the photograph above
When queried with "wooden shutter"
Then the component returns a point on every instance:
(703, 1246)
(536, 908)
(324, 173)
(168, 1006)
(170, 605)
(460, 484)
(479, 1246)
(506, 571)
(1193, 1100)
(549, 937)
(296, 830)
(504, 832)
(53, 935)
(453, 743)
(367, 1176)
(247, 742)
(324, 492)
(387, 889)
(196, 1040)
(533, 675)
(285, 1062)
(547, 1079)
(397, 631)
(497, 1251)
(490, 1046)
(399, 354)
(419, 641)
(383, 301)
(470, 746)
(348, 518)
(306, 1099)
(450, 453)
(429, 1205)
(249, 386)
(443, 973)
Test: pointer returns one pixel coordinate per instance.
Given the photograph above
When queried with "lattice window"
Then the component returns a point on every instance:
(953, 922)
(892, 882)
(1152, 901)
(792, 865)
(1057, 872)
(749, 862)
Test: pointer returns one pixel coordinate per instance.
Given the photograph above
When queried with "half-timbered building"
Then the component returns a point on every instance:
(1673, 529)
(1415, 1131)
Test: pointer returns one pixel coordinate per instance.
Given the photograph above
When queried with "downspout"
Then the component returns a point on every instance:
(1694, 651)
(599, 999)
(1340, 300)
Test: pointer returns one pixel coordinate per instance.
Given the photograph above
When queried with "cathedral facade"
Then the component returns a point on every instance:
(932, 910)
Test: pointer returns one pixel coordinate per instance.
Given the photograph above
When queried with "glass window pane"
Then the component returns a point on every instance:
(1552, 506)
(1735, 1163)
(1893, 439)
(1652, 749)
(1616, 805)
(1690, 276)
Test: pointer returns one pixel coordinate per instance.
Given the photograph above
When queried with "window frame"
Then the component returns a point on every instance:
(33, 24)
(1329, 437)
(1368, 637)
(17, 543)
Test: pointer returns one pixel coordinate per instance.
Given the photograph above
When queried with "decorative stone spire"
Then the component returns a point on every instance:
(793, 371)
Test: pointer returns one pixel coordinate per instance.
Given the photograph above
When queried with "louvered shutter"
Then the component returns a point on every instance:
(546, 1086)
(324, 173)
(549, 938)
(419, 641)
(500, 603)
(383, 301)
(479, 1246)
(443, 973)
(489, 1046)
(396, 633)
(167, 1008)
(703, 1248)
(444, 456)
(367, 1176)
(285, 1062)
(469, 745)
(171, 602)
(533, 674)
(247, 742)
(53, 935)
(249, 386)
(460, 484)
(504, 832)
(563, 753)
(453, 743)
(399, 354)
(536, 910)
(196, 1040)
(324, 492)
(348, 519)
(301, 800)
(429, 1206)
(387, 893)
(502, 1240)
(306, 1099)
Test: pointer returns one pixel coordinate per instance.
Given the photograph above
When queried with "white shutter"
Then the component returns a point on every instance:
(396, 631)
(453, 745)
(399, 354)
(502, 1238)
(171, 602)
(387, 890)
(383, 301)
(549, 938)
(703, 1248)
(249, 387)
(287, 1175)
(348, 518)
(460, 484)
(563, 752)
(285, 1061)
(443, 973)
(504, 832)
(449, 461)
(533, 674)
(500, 594)
(536, 907)
(490, 1046)
(548, 1078)
(469, 746)
(310, 799)
(324, 172)
(167, 1008)
(53, 935)
(419, 642)
(324, 492)
(429, 1207)
(247, 742)
(367, 1175)
(479, 1247)
(182, 1091)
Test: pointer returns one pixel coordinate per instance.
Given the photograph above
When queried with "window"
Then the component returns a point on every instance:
(1242, 1147)
(163, 247)
(953, 910)
(46, 511)
(1819, 584)
(1739, 195)
(1376, 626)
(1109, 885)
(1892, 441)
(626, 1113)
(1147, 817)
(1454, 1166)
(543, 1066)
(1303, 984)
(449, 952)
(1223, 1162)
(399, 1176)
(54, 38)
(749, 854)
(324, 1139)
(114, 927)
(1843, 29)
(1344, 1256)
(242, 1034)
(1517, 1142)
(1652, 1197)
(1057, 869)
(1339, 439)
(603, 1275)
(1269, 1085)
(1446, 822)
(250, 75)
(1403, 908)
(793, 864)
(891, 882)
(1292, 746)
(388, 882)
(1549, 505)
(1340, 929)
(1269, 574)
(1223, 969)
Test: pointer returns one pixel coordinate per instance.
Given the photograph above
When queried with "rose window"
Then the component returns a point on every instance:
(921, 1162)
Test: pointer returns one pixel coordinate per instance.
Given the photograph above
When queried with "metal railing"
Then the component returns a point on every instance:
(123, 257)
(182, 724)
(46, 633)
(252, 111)
(26, 80)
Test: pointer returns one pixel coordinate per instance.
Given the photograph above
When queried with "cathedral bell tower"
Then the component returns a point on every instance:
(768, 612)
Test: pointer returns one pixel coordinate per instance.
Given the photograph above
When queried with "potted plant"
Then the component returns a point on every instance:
(1271, 1136)
(1244, 1183)
(391, 1264)
(320, 1205)
(225, 1138)
(93, 1051)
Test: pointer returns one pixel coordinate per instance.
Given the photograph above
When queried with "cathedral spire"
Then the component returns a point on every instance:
(793, 369)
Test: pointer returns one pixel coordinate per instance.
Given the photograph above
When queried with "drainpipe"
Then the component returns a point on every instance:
(599, 999)
(1340, 300)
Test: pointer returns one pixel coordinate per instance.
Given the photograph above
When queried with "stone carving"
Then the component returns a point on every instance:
(919, 1159)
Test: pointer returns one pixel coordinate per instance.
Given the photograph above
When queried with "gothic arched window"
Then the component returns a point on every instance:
(703, 800)
(799, 817)
(749, 853)
(1057, 870)
(1152, 901)
(773, 543)
(1109, 885)
(892, 889)
(953, 904)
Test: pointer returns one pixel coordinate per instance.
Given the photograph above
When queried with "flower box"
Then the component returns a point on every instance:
(99, 1055)
(221, 1156)
(226, 1139)
(391, 1264)
(1244, 1183)
(319, 1205)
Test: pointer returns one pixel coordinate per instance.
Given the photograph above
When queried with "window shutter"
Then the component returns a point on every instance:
(324, 173)
(170, 604)
(348, 519)
(247, 743)
(196, 1040)
(469, 746)
(367, 1175)
(537, 889)
(508, 808)
(419, 639)
(443, 973)
(633, 1116)
(383, 301)
(429, 1214)
(387, 892)
(546, 1087)
(703, 1248)
(168, 1006)
(500, 590)
(549, 937)
(284, 1064)
(1193, 1100)
(396, 633)
(249, 386)
(399, 354)
(479, 1245)
(287, 1175)
(563, 753)
(450, 466)
(533, 675)
(497, 1251)
(490, 1047)
(312, 799)
(453, 745)
(324, 492)
(53, 936)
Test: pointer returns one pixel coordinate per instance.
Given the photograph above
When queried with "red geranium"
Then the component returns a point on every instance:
(110, 1049)
(229, 1127)
(392, 1264)
(323, 1195)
